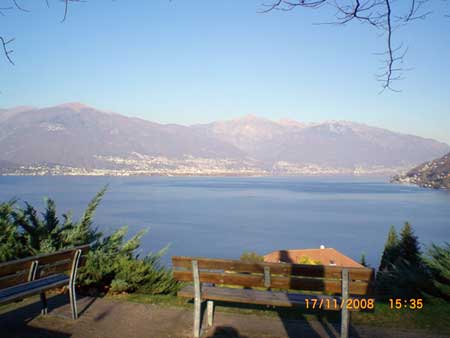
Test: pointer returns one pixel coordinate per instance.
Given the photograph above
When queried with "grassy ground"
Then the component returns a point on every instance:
(432, 317)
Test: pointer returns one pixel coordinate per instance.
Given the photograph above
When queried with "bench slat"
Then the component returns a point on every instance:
(335, 272)
(14, 279)
(52, 269)
(11, 267)
(277, 282)
(247, 296)
(31, 288)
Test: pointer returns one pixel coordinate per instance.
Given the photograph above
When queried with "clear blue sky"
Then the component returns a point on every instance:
(201, 60)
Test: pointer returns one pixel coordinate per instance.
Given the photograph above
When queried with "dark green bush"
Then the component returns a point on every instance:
(113, 263)
(251, 256)
(405, 273)
(438, 262)
(12, 243)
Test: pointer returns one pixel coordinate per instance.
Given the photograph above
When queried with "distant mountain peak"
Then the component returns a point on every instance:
(251, 118)
(292, 123)
(77, 106)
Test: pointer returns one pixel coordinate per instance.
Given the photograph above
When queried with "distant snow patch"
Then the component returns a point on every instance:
(52, 127)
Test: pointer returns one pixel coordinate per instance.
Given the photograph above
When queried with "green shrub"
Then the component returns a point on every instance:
(438, 262)
(251, 256)
(402, 272)
(113, 262)
(12, 244)
(405, 273)
(308, 261)
(404, 280)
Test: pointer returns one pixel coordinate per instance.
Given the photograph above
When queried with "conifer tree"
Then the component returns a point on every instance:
(438, 261)
(12, 244)
(363, 259)
(391, 250)
(409, 249)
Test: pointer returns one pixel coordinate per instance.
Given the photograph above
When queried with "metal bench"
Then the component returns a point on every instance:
(29, 276)
(328, 287)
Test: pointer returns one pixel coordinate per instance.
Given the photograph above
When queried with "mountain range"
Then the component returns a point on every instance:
(78, 136)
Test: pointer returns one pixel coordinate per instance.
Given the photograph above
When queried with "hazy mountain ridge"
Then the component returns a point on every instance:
(333, 143)
(75, 136)
(432, 174)
(78, 136)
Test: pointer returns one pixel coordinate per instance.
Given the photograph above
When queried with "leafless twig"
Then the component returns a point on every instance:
(4, 45)
(20, 8)
(284, 5)
(379, 14)
(16, 5)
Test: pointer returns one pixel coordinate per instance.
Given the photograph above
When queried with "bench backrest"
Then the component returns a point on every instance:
(35, 267)
(315, 278)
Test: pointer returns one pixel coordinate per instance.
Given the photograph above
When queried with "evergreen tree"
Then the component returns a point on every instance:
(83, 231)
(438, 262)
(391, 250)
(402, 272)
(409, 249)
(389, 257)
(363, 259)
(12, 245)
(45, 233)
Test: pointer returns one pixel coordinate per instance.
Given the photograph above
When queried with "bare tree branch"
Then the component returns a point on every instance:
(4, 45)
(5, 9)
(284, 5)
(379, 14)
(20, 8)
(66, 7)
(390, 61)
(16, 5)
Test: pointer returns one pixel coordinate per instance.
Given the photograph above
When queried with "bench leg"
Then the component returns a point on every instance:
(44, 303)
(73, 302)
(210, 310)
(197, 317)
(345, 314)
(345, 323)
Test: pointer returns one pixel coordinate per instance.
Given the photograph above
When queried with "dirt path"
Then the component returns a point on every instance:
(103, 318)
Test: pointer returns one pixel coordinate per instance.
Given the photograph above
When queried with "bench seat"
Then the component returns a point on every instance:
(250, 296)
(32, 288)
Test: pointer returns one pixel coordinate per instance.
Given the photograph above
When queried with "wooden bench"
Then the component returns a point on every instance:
(328, 287)
(29, 276)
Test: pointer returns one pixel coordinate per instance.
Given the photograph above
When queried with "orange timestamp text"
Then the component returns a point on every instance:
(400, 303)
(339, 304)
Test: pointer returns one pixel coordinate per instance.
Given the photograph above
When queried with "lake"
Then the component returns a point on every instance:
(222, 217)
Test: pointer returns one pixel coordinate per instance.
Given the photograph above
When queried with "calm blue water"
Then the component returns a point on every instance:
(222, 217)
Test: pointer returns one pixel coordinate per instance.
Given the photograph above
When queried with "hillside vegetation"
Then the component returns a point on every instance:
(434, 174)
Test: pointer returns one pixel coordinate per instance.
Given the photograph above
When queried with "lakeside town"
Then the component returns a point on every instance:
(192, 166)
